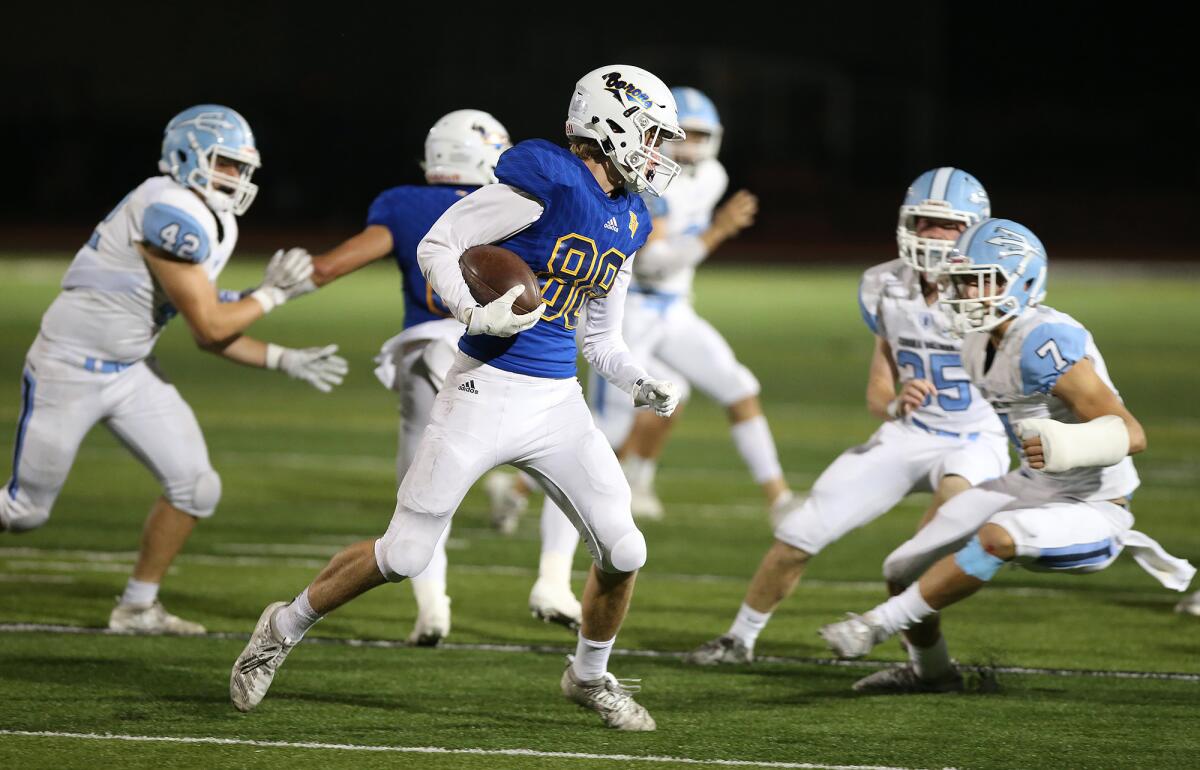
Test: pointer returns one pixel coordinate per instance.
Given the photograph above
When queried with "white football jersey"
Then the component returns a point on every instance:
(686, 208)
(110, 307)
(919, 335)
(1039, 346)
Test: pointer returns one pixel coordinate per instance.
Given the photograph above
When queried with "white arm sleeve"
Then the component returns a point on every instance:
(603, 346)
(664, 256)
(490, 214)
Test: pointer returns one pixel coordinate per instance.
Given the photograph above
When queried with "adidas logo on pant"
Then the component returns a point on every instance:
(469, 387)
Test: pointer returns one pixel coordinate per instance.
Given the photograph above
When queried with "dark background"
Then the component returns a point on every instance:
(1081, 124)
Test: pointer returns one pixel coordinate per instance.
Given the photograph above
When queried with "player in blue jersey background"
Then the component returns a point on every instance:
(575, 216)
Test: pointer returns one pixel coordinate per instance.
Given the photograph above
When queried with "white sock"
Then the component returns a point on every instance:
(591, 659)
(748, 624)
(559, 539)
(293, 621)
(137, 592)
(428, 591)
(555, 568)
(640, 471)
(754, 443)
(902, 611)
(930, 662)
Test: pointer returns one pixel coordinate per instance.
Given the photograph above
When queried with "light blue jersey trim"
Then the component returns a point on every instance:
(868, 318)
(1047, 353)
(175, 231)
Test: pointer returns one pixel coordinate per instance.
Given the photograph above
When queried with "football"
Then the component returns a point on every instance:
(492, 270)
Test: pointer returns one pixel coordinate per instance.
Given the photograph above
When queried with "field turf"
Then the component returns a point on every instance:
(305, 473)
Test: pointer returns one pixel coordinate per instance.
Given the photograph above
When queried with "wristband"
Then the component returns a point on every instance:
(274, 354)
(270, 297)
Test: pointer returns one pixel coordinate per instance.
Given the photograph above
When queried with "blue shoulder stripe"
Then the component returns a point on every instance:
(175, 231)
(1047, 353)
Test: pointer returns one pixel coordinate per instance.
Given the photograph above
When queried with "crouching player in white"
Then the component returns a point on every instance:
(157, 254)
(1067, 507)
(664, 330)
(938, 433)
(511, 396)
(461, 153)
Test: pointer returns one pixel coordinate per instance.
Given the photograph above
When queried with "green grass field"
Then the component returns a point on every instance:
(305, 473)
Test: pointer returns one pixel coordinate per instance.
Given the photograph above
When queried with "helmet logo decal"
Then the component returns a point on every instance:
(978, 196)
(207, 121)
(616, 86)
(1012, 243)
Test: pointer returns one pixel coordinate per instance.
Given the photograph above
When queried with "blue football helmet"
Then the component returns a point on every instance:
(698, 117)
(996, 270)
(193, 143)
(942, 193)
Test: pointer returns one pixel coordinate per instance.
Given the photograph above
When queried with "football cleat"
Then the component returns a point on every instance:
(903, 680)
(433, 624)
(506, 499)
(552, 603)
(724, 650)
(255, 668)
(1190, 605)
(610, 698)
(150, 618)
(853, 637)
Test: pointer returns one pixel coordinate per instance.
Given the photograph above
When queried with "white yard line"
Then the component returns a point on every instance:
(524, 649)
(534, 753)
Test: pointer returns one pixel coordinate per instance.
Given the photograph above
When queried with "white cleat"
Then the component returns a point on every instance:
(433, 624)
(506, 500)
(150, 618)
(553, 603)
(903, 680)
(609, 698)
(724, 650)
(853, 637)
(255, 668)
(1190, 605)
(644, 503)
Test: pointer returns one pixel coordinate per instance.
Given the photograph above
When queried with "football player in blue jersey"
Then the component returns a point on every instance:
(158, 254)
(461, 153)
(576, 218)
(1067, 508)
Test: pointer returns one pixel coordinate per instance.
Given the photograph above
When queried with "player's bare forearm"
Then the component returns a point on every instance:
(881, 380)
(213, 323)
(244, 350)
(733, 216)
(371, 244)
(1089, 397)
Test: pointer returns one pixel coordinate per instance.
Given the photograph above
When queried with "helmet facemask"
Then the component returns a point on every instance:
(223, 191)
(644, 166)
(927, 255)
(998, 295)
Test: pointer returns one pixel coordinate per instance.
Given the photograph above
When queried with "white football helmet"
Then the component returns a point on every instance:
(463, 147)
(630, 112)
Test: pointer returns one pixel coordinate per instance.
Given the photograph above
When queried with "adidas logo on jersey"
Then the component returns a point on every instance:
(469, 387)
(611, 224)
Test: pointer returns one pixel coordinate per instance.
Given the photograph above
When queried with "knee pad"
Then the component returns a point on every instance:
(627, 554)
(402, 557)
(977, 562)
(18, 517)
(198, 498)
(744, 385)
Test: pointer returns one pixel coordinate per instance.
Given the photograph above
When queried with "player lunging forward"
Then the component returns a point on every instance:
(938, 433)
(1067, 508)
(158, 253)
(511, 397)
(461, 152)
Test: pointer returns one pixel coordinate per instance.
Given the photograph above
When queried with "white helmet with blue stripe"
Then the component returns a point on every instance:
(996, 270)
(463, 148)
(629, 112)
(698, 117)
(200, 139)
(946, 193)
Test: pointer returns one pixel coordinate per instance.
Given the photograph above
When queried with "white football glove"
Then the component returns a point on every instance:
(318, 367)
(497, 319)
(660, 395)
(288, 275)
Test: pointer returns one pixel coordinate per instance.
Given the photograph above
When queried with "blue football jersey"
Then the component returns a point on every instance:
(576, 248)
(408, 212)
